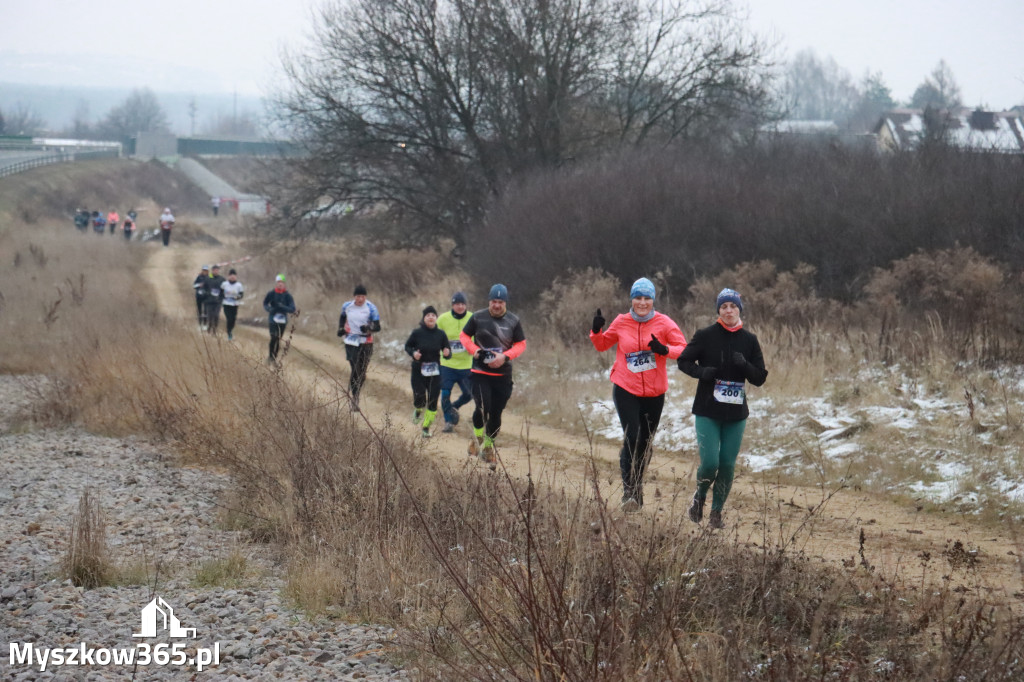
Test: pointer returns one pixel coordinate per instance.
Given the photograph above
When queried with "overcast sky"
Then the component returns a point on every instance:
(234, 45)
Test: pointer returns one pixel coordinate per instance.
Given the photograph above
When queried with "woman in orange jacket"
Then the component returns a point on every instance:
(645, 339)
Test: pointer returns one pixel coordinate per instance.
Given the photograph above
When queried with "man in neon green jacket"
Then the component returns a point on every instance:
(455, 369)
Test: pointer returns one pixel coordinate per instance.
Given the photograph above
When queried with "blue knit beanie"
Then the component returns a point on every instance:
(642, 287)
(728, 295)
(498, 292)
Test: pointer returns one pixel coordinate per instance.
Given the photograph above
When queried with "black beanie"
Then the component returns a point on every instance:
(360, 290)
(428, 310)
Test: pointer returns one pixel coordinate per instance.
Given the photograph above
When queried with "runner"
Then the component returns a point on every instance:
(722, 357)
(215, 204)
(279, 304)
(426, 346)
(644, 339)
(359, 319)
(214, 298)
(233, 293)
(494, 337)
(82, 219)
(166, 223)
(112, 220)
(199, 286)
(98, 222)
(129, 227)
(456, 368)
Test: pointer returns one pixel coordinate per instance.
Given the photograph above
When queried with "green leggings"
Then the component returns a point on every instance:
(719, 445)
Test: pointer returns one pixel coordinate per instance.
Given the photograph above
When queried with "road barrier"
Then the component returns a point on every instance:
(59, 157)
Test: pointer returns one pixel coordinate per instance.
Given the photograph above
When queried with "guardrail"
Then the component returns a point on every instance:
(62, 157)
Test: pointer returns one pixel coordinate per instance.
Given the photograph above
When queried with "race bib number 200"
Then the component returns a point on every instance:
(729, 392)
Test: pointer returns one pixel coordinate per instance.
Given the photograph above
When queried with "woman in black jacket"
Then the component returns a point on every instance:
(722, 358)
(426, 345)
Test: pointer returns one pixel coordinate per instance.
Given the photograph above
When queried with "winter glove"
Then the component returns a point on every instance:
(738, 359)
(657, 346)
(708, 373)
(484, 355)
(598, 322)
(341, 332)
(446, 352)
(364, 329)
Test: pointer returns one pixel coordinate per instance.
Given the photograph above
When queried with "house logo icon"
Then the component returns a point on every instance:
(158, 615)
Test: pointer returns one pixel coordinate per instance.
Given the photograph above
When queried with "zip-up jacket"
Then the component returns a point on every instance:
(452, 326)
(212, 289)
(429, 342)
(633, 370)
(276, 303)
(714, 347)
(497, 334)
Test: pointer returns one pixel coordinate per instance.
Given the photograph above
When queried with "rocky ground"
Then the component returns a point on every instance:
(161, 524)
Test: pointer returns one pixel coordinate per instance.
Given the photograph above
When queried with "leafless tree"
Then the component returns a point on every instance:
(140, 112)
(430, 106)
(939, 89)
(819, 89)
(23, 120)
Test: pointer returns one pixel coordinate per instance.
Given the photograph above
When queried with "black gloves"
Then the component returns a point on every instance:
(708, 373)
(739, 359)
(341, 332)
(446, 352)
(598, 322)
(364, 329)
(657, 346)
(484, 355)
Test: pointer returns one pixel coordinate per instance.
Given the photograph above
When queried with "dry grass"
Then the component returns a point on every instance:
(86, 562)
(486, 575)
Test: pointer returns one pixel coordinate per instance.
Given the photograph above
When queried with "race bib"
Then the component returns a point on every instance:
(430, 369)
(280, 318)
(353, 339)
(215, 292)
(641, 361)
(729, 392)
(456, 346)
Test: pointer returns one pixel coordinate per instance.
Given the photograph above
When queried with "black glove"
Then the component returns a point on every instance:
(364, 329)
(739, 359)
(341, 332)
(708, 373)
(484, 355)
(598, 322)
(657, 346)
(446, 352)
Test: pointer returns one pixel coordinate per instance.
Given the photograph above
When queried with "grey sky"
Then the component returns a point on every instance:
(234, 45)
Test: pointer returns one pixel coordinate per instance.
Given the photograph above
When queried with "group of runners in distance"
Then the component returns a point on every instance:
(475, 352)
(84, 219)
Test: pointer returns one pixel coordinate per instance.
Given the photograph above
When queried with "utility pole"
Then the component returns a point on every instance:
(192, 109)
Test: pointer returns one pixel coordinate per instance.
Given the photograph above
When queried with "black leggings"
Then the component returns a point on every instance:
(425, 390)
(213, 315)
(276, 332)
(490, 395)
(639, 418)
(359, 360)
(166, 236)
(230, 313)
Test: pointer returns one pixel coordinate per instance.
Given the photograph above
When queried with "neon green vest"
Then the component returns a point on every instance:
(460, 359)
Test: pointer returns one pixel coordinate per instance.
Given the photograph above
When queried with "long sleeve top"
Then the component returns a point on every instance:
(723, 396)
(637, 368)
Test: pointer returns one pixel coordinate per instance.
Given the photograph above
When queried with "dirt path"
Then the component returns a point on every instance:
(762, 511)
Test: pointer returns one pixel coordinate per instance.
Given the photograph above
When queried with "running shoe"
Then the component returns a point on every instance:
(696, 511)
(448, 427)
(715, 519)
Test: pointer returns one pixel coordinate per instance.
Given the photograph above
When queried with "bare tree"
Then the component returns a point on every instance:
(939, 90)
(819, 89)
(430, 106)
(140, 112)
(23, 120)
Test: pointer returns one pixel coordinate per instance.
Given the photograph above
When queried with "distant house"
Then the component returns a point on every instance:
(984, 131)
